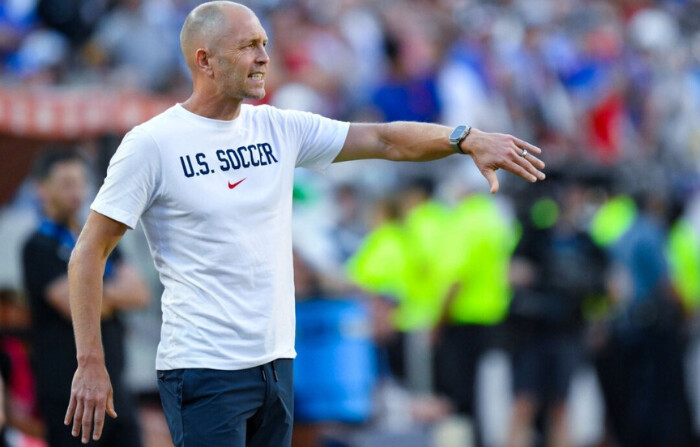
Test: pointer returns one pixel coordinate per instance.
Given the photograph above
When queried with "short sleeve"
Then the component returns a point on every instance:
(320, 139)
(132, 179)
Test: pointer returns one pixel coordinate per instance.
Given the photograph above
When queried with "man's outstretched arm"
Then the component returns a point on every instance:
(91, 391)
(408, 141)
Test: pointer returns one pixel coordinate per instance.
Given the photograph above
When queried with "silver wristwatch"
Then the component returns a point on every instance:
(458, 135)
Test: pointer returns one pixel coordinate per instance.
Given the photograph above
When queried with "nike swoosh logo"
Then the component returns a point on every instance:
(233, 185)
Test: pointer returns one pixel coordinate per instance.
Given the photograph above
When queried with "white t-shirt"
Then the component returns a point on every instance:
(215, 202)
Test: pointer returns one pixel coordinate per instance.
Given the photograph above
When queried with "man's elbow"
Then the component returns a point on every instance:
(76, 261)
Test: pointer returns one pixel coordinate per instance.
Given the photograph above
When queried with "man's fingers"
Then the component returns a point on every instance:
(91, 397)
(71, 410)
(77, 418)
(99, 420)
(530, 157)
(490, 175)
(110, 406)
(88, 413)
(534, 161)
(530, 147)
(518, 170)
(530, 163)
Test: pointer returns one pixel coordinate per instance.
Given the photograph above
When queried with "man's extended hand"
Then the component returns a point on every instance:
(492, 151)
(91, 396)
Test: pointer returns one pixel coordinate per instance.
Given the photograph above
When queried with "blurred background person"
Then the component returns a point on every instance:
(640, 359)
(21, 420)
(62, 182)
(476, 245)
(555, 268)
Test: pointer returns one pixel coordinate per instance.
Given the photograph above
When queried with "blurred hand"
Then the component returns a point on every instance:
(493, 151)
(107, 310)
(521, 272)
(91, 396)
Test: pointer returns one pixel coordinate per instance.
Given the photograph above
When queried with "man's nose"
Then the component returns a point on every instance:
(263, 57)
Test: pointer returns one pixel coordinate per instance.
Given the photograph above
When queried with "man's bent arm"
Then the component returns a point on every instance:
(409, 141)
(91, 391)
(126, 290)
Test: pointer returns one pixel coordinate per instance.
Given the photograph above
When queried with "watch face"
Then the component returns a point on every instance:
(458, 132)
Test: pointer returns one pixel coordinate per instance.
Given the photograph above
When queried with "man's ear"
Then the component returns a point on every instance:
(203, 62)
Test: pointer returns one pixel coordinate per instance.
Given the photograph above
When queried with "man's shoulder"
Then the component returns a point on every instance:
(160, 119)
(149, 134)
(162, 124)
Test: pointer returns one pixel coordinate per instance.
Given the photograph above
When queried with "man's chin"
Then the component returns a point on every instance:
(257, 94)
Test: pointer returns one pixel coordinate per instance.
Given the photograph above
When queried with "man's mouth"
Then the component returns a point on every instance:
(256, 76)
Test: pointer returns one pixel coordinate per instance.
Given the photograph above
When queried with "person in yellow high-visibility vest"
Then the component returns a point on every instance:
(477, 253)
(427, 270)
(378, 264)
(401, 259)
(684, 262)
(404, 261)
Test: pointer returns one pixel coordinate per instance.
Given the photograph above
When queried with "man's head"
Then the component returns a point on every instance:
(224, 46)
(62, 183)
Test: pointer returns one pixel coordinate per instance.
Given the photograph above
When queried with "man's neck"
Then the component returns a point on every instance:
(213, 106)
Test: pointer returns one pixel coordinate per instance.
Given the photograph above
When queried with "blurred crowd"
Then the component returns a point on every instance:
(608, 81)
(411, 281)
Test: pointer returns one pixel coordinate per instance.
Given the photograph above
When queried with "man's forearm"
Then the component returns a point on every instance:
(403, 141)
(85, 272)
(409, 141)
(397, 141)
(91, 391)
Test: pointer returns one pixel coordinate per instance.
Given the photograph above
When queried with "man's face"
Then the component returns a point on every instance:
(64, 190)
(239, 59)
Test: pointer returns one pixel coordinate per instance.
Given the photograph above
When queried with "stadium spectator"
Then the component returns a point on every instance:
(640, 361)
(555, 268)
(61, 176)
(476, 249)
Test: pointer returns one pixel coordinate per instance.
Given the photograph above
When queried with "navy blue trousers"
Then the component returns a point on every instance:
(251, 407)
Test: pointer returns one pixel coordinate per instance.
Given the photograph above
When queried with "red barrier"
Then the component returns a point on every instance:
(62, 113)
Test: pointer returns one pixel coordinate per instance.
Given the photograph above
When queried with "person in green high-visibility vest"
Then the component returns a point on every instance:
(378, 264)
(475, 254)
(402, 259)
(684, 262)
(425, 237)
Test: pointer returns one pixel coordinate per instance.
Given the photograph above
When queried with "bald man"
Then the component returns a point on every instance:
(210, 180)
